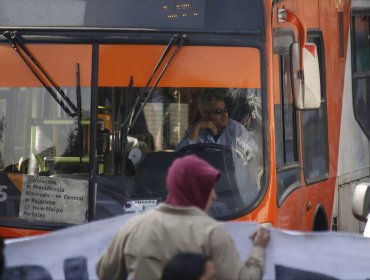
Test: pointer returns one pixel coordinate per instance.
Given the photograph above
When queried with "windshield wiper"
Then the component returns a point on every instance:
(79, 113)
(124, 129)
(131, 118)
(49, 84)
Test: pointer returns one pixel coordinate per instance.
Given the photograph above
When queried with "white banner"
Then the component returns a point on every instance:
(72, 253)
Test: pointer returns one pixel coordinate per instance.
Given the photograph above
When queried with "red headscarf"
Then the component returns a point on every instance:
(190, 181)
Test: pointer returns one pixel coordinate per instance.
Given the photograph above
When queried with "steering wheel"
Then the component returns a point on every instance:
(204, 147)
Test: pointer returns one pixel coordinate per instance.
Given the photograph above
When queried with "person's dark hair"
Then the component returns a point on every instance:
(211, 95)
(185, 266)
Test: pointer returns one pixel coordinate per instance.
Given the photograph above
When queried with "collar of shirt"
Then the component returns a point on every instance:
(191, 210)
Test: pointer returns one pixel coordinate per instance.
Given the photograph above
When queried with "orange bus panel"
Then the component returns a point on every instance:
(59, 62)
(192, 67)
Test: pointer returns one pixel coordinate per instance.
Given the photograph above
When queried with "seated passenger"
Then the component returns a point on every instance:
(216, 127)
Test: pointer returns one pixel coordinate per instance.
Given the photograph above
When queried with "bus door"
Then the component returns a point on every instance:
(315, 150)
(288, 176)
(301, 138)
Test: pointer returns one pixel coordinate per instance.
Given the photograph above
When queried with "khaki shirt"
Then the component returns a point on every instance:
(147, 242)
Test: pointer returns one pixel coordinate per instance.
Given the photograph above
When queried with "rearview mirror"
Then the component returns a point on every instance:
(306, 81)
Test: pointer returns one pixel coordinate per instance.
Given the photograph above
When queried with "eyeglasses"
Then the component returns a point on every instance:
(219, 111)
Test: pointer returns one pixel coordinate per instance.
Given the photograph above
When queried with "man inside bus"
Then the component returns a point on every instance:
(216, 127)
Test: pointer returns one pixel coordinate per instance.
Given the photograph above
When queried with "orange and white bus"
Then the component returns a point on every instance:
(94, 98)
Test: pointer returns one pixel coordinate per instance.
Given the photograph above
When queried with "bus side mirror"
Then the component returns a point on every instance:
(305, 82)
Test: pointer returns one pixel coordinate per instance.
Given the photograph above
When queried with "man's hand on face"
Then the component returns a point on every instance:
(208, 125)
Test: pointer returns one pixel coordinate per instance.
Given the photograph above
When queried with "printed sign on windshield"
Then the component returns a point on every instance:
(54, 199)
(137, 206)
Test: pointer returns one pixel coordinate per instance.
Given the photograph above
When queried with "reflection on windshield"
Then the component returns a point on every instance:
(37, 133)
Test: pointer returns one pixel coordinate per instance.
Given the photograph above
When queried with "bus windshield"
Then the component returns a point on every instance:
(162, 133)
(203, 85)
(45, 152)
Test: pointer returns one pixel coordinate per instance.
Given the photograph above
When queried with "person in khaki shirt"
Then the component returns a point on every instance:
(143, 246)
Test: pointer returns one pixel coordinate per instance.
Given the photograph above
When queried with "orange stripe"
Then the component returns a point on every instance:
(13, 232)
(59, 61)
(192, 67)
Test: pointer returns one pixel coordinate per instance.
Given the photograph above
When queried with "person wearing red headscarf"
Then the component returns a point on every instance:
(145, 244)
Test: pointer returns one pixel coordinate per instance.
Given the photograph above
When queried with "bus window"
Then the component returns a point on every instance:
(51, 135)
(360, 24)
(39, 138)
(285, 121)
(314, 129)
(360, 67)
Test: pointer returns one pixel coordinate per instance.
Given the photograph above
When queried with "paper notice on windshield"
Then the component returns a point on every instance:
(137, 206)
(57, 200)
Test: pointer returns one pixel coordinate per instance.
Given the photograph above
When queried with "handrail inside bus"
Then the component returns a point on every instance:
(124, 129)
(128, 118)
(179, 42)
(49, 84)
(131, 117)
(79, 112)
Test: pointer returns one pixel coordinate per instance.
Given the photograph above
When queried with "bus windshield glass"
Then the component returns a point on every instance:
(164, 132)
(208, 103)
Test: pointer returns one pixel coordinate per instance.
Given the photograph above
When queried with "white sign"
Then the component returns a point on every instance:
(54, 199)
(72, 253)
(137, 206)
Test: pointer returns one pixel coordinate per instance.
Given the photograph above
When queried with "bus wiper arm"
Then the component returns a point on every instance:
(124, 129)
(35, 67)
(179, 43)
(128, 120)
(79, 113)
